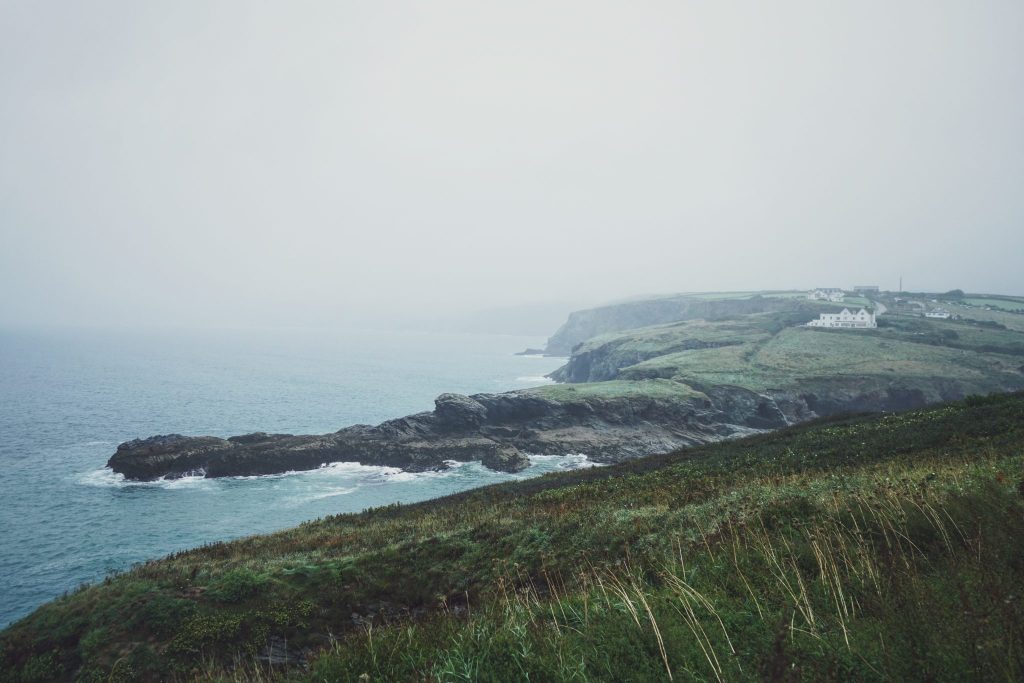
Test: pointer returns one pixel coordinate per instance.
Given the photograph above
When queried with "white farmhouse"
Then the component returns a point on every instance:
(862, 319)
(938, 313)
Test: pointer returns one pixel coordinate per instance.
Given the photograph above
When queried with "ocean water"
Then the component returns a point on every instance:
(68, 398)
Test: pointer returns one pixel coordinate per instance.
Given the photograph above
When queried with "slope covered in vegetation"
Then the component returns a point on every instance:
(766, 351)
(872, 547)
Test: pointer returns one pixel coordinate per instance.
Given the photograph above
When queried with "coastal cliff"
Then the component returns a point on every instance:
(497, 429)
(638, 392)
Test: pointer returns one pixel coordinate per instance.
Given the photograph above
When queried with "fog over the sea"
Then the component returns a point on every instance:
(335, 162)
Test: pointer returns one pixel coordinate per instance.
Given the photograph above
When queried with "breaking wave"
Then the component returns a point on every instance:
(536, 379)
(358, 473)
(574, 461)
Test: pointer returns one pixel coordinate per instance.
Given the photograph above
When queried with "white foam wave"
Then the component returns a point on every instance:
(191, 481)
(329, 469)
(536, 379)
(329, 494)
(108, 478)
(355, 468)
(572, 461)
(395, 475)
(103, 477)
(350, 474)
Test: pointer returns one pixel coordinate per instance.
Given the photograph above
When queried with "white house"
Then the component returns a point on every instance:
(938, 313)
(826, 294)
(862, 319)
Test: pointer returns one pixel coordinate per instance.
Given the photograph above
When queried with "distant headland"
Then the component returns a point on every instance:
(653, 375)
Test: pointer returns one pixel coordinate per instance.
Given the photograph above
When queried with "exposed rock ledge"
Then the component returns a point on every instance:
(499, 429)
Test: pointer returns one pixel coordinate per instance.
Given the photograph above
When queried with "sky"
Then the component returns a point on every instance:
(339, 163)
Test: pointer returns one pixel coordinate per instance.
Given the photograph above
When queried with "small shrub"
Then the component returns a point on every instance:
(235, 586)
(164, 614)
(43, 667)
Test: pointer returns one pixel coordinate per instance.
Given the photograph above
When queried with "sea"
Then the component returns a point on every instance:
(69, 397)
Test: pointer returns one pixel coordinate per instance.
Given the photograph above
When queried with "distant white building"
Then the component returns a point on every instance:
(938, 313)
(826, 294)
(862, 319)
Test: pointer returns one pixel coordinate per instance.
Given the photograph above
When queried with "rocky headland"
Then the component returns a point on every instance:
(497, 429)
(653, 416)
(738, 367)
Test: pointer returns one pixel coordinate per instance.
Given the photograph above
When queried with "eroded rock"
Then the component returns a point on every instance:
(506, 459)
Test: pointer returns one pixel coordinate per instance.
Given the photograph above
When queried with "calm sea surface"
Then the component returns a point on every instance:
(68, 398)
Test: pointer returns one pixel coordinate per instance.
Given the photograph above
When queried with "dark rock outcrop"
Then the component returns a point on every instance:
(168, 454)
(497, 429)
(500, 429)
(507, 459)
(457, 412)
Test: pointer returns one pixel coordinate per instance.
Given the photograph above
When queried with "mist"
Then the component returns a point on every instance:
(238, 163)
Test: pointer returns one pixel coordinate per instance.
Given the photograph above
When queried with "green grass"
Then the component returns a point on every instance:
(795, 357)
(767, 351)
(1012, 321)
(1005, 304)
(954, 334)
(803, 352)
(856, 301)
(658, 339)
(604, 356)
(859, 548)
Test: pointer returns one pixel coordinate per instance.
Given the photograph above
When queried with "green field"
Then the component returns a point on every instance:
(873, 548)
(771, 351)
(1013, 321)
(1007, 304)
(797, 356)
(857, 301)
(661, 338)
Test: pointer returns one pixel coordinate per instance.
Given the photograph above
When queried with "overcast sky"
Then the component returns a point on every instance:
(295, 162)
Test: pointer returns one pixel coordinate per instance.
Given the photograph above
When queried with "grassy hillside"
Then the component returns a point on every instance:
(1012, 304)
(798, 355)
(867, 548)
(770, 351)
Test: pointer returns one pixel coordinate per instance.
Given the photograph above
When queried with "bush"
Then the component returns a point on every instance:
(235, 586)
(44, 667)
(163, 614)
